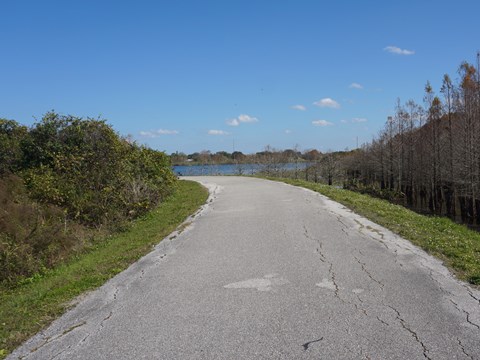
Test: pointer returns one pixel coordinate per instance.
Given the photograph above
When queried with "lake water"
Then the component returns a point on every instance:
(234, 169)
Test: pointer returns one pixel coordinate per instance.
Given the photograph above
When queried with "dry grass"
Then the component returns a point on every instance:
(33, 237)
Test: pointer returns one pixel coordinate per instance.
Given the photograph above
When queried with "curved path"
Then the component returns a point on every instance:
(271, 271)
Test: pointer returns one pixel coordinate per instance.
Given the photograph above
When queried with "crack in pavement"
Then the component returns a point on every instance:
(50, 339)
(364, 268)
(360, 309)
(370, 237)
(467, 314)
(376, 231)
(319, 249)
(395, 257)
(60, 353)
(323, 258)
(85, 338)
(463, 349)
(450, 295)
(383, 243)
(344, 226)
(431, 273)
(334, 281)
(106, 318)
(471, 295)
(360, 225)
(319, 252)
(101, 326)
(412, 332)
(382, 321)
(332, 274)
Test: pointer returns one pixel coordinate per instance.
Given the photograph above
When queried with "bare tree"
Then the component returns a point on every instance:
(329, 166)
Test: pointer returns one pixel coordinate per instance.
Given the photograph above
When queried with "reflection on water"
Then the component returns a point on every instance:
(236, 169)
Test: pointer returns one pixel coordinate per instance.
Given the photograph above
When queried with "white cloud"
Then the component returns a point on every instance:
(167, 132)
(243, 118)
(359, 120)
(321, 123)
(246, 118)
(398, 51)
(217, 132)
(288, 131)
(355, 86)
(233, 122)
(327, 102)
(146, 134)
(344, 121)
(157, 133)
(299, 107)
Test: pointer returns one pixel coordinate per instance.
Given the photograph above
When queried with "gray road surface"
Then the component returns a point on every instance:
(271, 271)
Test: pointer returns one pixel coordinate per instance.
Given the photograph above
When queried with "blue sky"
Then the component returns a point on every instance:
(202, 75)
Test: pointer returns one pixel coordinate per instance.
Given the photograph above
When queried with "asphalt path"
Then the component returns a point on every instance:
(271, 271)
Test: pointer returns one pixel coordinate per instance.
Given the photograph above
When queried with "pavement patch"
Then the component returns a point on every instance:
(264, 284)
(327, 284)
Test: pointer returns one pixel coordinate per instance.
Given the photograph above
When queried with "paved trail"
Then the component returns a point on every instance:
(270, 271)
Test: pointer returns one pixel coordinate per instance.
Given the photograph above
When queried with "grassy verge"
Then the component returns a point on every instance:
(456, 245)
(31, 306)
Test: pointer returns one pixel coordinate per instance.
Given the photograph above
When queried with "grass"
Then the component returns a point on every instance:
(456, 245)
(30, 307)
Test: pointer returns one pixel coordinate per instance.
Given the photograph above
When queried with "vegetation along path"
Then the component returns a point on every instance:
(269, 270)
(29, 307)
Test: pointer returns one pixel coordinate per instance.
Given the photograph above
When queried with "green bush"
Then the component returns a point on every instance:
(99, 177)
(11, 136)
(71, 175)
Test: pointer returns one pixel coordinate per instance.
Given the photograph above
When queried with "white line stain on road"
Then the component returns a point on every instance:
(327, 284)
(265, 284)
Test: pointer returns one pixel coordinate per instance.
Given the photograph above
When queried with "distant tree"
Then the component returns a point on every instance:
(429, 153)
(329, 166)
(290, 155)
(238, 156)
(178, 158)
(449, 94)
(311, 155)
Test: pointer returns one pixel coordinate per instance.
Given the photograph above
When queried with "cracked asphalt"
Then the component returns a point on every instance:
(270, 271)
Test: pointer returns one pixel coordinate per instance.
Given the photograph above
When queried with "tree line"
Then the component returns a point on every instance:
(269, 154)
(64, 180)
(428, 155)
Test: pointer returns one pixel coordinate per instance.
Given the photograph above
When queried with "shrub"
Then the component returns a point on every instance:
(84, 166)
(71, 175)
(32, 236)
